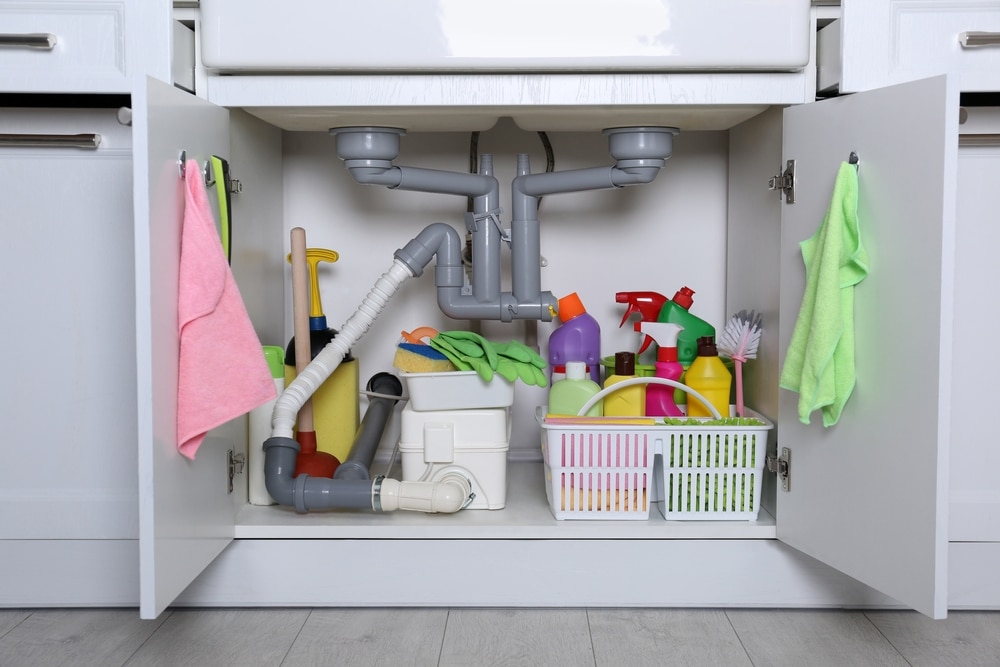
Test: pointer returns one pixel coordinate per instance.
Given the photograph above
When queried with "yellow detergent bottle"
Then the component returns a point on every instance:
(710, 378)
(628, 401)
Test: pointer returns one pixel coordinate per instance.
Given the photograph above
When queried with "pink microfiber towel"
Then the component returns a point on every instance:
(222, 372)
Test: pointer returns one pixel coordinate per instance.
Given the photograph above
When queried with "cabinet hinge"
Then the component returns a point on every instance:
(784, 182)
(782, 465)
(234, 467)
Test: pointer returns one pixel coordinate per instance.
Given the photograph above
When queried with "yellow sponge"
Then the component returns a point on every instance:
(419, 358)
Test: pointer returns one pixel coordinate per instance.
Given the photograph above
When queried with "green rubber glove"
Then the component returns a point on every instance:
(465, 354)
(518, 351)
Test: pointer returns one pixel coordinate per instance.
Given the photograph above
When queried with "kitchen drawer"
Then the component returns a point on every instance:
(875, 44)
(521, 35)
(63, 46)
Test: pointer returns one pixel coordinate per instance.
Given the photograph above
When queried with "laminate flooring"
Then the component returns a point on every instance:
(474, 637)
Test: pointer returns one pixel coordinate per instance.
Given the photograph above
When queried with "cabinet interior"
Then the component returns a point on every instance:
(671, 233)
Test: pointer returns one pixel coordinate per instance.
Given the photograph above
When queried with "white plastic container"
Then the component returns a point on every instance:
(471, 442)
(457, 390)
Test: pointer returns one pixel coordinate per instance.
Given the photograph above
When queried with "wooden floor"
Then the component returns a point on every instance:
(474, 637)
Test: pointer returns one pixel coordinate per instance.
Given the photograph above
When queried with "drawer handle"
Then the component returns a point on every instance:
(36, 40)
(50, 140)
(971, 39)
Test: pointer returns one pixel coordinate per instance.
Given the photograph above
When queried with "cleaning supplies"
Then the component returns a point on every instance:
(221, 374)
(309, 460)
(676, 311)
(659, 398)
(577, 338)
(739, 342)
(628, 401)
(710, 378)
(568, 395)
(336, 409)
(647, 304)
(512, 360)
(819, 363)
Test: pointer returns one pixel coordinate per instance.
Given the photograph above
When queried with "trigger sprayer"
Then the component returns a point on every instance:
(659, 398)
(647, 304)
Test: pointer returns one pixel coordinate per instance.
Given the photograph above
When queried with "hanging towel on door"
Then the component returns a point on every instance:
(819, 363)
(222, 372)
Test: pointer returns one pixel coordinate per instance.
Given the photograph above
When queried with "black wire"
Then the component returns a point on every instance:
(550, 158)
(473, 163)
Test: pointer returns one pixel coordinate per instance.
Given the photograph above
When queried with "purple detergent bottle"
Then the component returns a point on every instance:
(577, 338)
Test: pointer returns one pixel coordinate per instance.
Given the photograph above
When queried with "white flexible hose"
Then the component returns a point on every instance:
(326, 362)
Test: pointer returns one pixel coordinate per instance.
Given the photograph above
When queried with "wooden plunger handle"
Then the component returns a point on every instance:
(300, 312)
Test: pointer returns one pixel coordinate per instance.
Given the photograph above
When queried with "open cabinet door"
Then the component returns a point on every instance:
(186, 515)
(868, 495)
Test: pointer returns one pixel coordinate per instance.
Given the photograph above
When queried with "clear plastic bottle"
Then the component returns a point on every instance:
(708, 376)
(628, 401)
(577, 338)
(568, 395)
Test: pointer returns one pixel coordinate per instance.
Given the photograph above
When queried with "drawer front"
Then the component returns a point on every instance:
(892, 41)
(514, 35)
(63, 46)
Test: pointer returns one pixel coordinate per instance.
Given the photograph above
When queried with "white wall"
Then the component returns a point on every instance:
(657, 237)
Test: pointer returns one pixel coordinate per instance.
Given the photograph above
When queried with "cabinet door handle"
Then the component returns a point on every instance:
(33, 40)
(971, 39)
(50, 140)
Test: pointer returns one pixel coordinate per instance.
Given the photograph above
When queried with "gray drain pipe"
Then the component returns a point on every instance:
(449, 494)
(368, 152)
(369, 434)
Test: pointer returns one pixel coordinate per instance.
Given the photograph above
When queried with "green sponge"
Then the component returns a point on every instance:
(419, 358)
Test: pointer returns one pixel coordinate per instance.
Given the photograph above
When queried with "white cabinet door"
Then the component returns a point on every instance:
(869, 495)
(186, 516)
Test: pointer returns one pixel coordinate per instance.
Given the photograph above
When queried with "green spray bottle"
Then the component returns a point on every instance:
(676, 311)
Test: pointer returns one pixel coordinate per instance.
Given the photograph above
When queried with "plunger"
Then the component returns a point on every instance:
(310, 460)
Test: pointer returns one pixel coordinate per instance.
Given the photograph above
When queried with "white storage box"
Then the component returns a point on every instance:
(471, 442)
(457, 390)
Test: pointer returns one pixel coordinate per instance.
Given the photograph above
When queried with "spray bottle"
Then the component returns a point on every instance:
(647, 304)
(676, 311)
(660, 398)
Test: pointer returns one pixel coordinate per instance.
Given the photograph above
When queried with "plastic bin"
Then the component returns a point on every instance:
(457, 390)
(712, 472)
(605, 471)
(597, 472)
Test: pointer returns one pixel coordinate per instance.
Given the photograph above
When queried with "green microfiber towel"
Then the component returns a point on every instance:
(819, 363)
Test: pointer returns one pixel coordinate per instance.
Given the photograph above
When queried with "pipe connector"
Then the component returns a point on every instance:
(449, 494)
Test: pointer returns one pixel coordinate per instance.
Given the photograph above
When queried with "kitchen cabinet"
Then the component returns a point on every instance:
(869, 497)
(69, 452)
(887, 421)
(875, 44)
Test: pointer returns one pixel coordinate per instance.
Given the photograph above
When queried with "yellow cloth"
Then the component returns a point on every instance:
(819, 363)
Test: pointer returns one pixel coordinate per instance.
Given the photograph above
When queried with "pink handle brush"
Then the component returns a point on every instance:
(739, 342)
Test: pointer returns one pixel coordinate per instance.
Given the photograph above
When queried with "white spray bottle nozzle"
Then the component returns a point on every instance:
(665, 334)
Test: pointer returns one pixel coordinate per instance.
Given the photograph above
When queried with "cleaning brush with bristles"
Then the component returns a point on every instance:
(739, 342)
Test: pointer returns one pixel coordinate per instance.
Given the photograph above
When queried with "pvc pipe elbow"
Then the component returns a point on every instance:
(448, 495)
(636, 174)
(372, 173)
